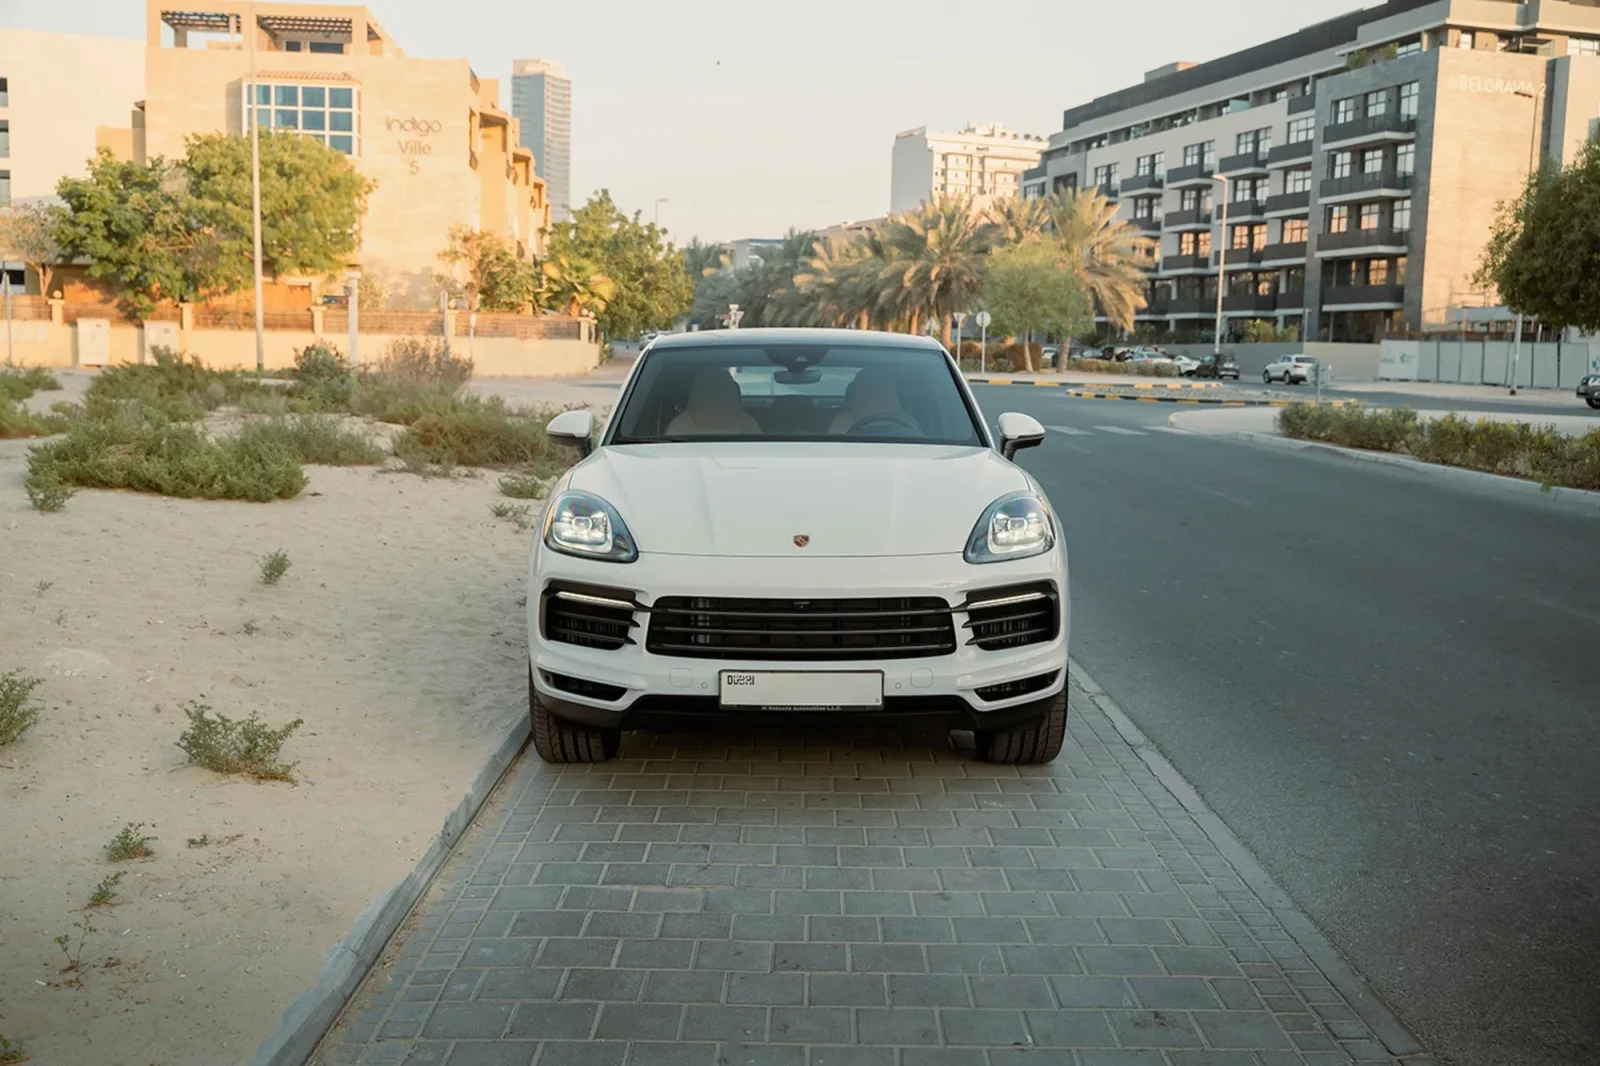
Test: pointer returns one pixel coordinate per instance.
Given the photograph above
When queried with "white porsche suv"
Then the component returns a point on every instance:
(798, 523)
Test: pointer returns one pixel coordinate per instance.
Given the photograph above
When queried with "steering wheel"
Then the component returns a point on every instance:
(896, 419)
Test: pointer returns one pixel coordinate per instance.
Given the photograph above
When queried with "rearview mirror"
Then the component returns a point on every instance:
(1019, 431)
(572, 428)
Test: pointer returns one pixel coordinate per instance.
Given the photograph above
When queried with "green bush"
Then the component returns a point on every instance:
(18, 382)
(18, 712)
(320, 362)
(229, 746)
(16, 422)
(181, 389)
(475, 431)
(423, 360)
(140, 449)
(317, 439)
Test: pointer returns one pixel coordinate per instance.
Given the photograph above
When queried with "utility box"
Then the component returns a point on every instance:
(91, 342)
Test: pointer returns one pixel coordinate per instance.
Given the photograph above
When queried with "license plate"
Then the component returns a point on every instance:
(809, 691)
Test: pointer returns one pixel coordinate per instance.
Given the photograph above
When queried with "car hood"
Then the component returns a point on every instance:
(755, 500)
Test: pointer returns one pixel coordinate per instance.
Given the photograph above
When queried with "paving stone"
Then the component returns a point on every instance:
(496, 1053)
(472, 1021)
(724, 1023)
(901, 1027)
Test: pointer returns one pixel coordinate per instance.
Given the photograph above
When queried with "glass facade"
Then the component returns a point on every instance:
(328, 114)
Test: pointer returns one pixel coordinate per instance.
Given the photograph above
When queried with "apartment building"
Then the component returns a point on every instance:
(1344, 178)
(541, 99)
(984, 162)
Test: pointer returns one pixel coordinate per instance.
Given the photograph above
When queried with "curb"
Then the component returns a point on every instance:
(1385, 1024)
(1048, 384)
(1214, 401)
(309, 1018)
(1583, 500)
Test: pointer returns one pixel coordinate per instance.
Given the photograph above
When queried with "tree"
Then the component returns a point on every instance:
(312, 202)
(1026, 287)
(1543, 256)
(702, 260)
(1106, 254)
(488, 273)
(652, 285)
(576, 286)
(935, 260)
(135, 224)
(27, 234)
(1020, 220)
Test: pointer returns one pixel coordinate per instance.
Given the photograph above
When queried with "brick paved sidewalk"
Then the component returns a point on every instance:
(773, 901)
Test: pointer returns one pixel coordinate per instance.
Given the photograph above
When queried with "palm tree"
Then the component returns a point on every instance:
(576, 285)
(833, 284)
(935, 261)
(1107, 254)
(1020, 220)
(701, 259)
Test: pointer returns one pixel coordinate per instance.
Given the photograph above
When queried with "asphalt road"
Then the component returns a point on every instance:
(1387, 685)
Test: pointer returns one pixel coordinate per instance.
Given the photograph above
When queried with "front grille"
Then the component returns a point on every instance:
(588, 617)
(699, 627)
(1013, 617)
(1007, 690)
(578, 686)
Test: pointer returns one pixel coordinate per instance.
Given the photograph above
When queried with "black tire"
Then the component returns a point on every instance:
(1593, 402)
(1266, 378)
(1035, 742)
(560, 741)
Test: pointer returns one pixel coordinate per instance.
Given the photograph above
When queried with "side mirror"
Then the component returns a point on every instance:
(573, 428)
(1019, 431)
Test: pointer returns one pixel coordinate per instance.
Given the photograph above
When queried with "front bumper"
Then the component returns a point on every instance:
(662, 689)
(1589, 390)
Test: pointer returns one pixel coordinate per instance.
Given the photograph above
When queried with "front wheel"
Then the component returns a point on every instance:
(1266, 378)
(1032, 743)
(1593, 402)
(560, 741)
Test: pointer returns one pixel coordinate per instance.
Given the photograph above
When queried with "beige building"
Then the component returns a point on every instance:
(984, 162)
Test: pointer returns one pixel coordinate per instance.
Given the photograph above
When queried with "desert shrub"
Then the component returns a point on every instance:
(17, 422)
(320, 361)
(130, 843)
(229, 746)
(18, 712)
(475, 431)
(140, 449)
(181, 389)
(525, 484)
(423, 359)
(274, 565)
(265, 402)
(18, 382)
(321, 440)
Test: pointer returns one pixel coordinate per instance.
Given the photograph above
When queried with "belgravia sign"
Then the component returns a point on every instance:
(1472, 83)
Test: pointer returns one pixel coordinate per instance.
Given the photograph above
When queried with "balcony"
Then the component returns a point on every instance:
(1152, 309)
(1291, 300)
(1276, 254)
(1108, 190)
(1190, 218)
(1244, 163)
(1191, 306)
(1245, 210)
(1146, 225)
(1285, 154)
(1288, 203)
(1364, 240)
(1249, 303)
(1194, 174)
(1239, 258)
(1185, 264)
(1299, 105)
(1364, 297)
(1391, 126)
(1141, 183)
(1365, 186)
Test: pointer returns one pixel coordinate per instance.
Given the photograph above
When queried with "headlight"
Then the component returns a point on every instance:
(1013, 527)
(579, 523)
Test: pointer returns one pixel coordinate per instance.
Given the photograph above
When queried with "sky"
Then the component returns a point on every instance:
(752, 117)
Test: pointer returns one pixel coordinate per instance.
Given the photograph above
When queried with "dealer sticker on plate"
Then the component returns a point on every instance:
(808, 691)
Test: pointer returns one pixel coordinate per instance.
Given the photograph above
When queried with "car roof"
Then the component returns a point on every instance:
(853, 337)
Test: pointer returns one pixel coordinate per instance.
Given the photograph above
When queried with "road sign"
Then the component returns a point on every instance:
(960, 317)
(982, 318)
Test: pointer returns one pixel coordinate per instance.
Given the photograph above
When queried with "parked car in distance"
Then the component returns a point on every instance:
(1149, 357)
(1187, 364)
(1589, 389)
(1290, 369)
(1218, 367)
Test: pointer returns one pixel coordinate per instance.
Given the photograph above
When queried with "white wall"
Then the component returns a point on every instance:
(1489, 362)
(61, 87)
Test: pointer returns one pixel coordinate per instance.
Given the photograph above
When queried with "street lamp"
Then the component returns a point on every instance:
(659, 201)
(352, 292)
(254, 113)
(1533, 149)
(1222, 264)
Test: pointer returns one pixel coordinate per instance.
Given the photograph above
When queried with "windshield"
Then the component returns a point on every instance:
(796, 392)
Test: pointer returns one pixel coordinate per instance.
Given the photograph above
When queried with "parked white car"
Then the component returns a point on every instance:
(797, 524)
(1148, 356)
(1290, 369)
(1187, 364)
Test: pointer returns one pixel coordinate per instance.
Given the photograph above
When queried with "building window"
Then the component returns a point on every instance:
(291, 46)
(1144, 208)
(1297, 181)
(1194, 199)
(327, 48)
(1256, 142)
(1410, 48)
(1372, 161)
(1150, 165)
(1208, 155)
(1400, 271)
(329, 115)
(5, 187)
(1576, 46)
(5, 138)
(1195, 244)
(1401, 220)
(1409, 94)
(1405, 159)
(1241, 237)
(1105, 175)
(1345, 110)
(1339, 219)
(1467, 40)
(1341, 164)
(1378, 272)
(1294, 279)
(1377, 103)
(1302, 130)
(1294, 231)
(1369, 216)
(5, 94)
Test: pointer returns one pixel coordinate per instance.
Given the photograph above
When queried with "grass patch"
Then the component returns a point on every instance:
(142, 450)
(518, 514)
(18, 711)
(273, 566)
(320, 440)
(105, 893)
(1515, 449)
(10, 1053)
(130, 843)
(230, 746)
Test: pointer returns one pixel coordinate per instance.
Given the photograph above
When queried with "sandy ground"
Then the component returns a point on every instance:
(397, 635)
